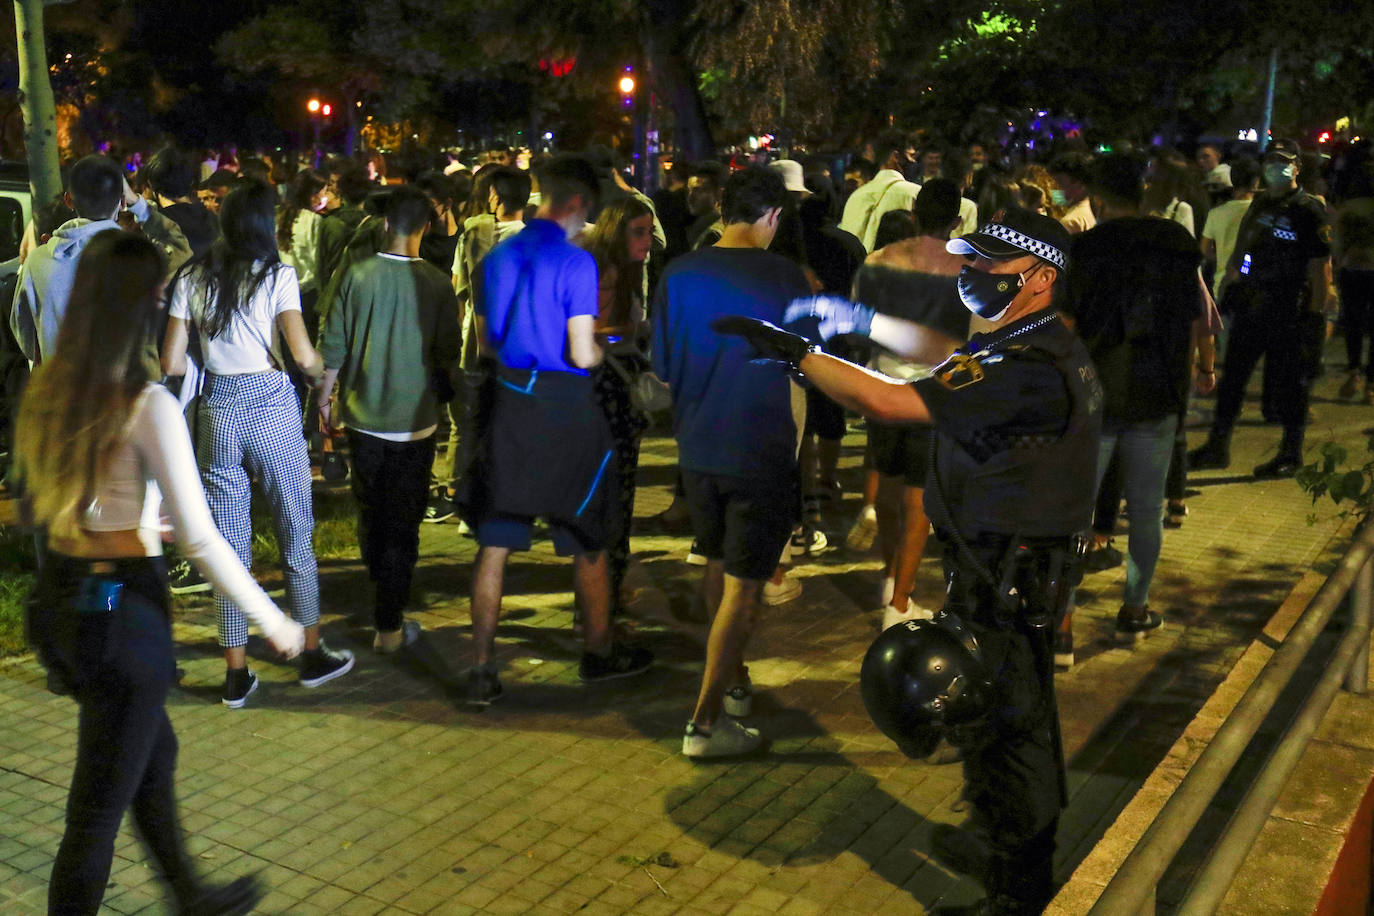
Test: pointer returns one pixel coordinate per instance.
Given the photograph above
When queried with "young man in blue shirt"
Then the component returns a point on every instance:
(545, 448)
(737, 440)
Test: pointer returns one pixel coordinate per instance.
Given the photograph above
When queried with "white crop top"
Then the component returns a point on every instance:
(250, 343)
(154, 469)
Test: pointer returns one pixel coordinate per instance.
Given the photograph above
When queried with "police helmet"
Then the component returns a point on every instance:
(922, 678)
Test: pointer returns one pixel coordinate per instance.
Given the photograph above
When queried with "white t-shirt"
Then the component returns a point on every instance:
(865, 208)
(305, 249)
(968, 218)
(250, 343)
(1222, 227)
(1079, 217)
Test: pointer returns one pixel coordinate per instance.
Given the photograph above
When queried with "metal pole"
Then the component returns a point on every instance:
(1141, 870)
(1268, 118)
(1245, 826)
(1357, 680)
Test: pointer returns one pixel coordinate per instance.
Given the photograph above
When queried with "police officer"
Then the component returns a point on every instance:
(1017, 413)
(1275, 293)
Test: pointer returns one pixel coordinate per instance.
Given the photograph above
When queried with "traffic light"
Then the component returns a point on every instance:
(313, 106)
(627, 88)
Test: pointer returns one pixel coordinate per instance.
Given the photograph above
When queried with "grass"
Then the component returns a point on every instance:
(336, 529)
(16, 579)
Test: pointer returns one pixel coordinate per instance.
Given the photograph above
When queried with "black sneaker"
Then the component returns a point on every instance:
(184, 579)
(440, 507)
(236, 898)
(1280, 467)
(1212, 455)
(239, 684)
(483, 687)
(319, 666)
(623, 661)
(1104, 557)
(1133, 626)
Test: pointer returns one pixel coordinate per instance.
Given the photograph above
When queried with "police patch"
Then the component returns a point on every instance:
(959, 371)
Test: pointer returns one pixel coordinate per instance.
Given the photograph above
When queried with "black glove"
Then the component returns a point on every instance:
(771, 341)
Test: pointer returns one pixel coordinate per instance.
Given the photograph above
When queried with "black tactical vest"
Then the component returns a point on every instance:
(1041, 486)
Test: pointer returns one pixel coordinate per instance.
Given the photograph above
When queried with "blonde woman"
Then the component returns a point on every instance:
(102, 450)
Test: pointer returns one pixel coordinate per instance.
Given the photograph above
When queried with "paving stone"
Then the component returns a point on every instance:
(379, 794)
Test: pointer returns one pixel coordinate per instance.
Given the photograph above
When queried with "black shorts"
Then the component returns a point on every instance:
(901, 451)
(741, 521)
(824, 417)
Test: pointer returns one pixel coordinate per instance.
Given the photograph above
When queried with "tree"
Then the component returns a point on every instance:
(36, 100)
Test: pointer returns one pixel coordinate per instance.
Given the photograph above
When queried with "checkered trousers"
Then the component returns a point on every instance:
(250, 428)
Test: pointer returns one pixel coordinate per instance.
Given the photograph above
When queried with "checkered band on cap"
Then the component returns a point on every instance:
(1025, 243)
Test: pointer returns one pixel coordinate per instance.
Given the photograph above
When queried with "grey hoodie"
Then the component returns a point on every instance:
(46, 276)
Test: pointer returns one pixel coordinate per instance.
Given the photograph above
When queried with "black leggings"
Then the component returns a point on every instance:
(1357, 316)
(119, 666)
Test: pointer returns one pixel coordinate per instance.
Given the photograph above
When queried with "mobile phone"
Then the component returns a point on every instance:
(99, 596)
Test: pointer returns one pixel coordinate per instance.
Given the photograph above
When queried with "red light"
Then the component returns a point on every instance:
(1325, 137)
(327, 110)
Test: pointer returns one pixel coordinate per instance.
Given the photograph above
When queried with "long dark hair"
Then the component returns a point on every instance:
(225, 273)
(299, 194)
(76, 407)
(608, 242)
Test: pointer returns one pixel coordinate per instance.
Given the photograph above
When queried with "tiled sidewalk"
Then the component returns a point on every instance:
(381, 793)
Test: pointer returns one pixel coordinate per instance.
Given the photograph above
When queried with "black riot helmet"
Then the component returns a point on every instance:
(922, 678)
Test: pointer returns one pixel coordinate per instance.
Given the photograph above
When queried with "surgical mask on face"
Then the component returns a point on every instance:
(1057, 197)
(1278, 174)
(988, 295)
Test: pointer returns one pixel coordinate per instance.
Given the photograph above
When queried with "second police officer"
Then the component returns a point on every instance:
(1275, 297)
(1017, 415)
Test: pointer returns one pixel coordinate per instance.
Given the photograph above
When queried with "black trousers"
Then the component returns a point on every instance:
(1284, 338)
(1357, 316)
(391, 484)
(119, 666)
(1011, 776)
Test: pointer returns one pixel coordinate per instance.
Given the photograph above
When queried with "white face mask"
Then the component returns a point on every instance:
(1278, 174)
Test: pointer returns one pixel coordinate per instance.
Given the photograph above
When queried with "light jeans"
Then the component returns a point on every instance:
(1145, 451)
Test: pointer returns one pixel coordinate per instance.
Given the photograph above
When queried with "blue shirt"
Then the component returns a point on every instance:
(731, 415)
(530, 285)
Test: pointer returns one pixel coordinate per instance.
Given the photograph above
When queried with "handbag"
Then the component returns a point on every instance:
(648, 393)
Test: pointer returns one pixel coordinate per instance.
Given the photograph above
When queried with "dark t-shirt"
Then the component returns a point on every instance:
(731, 414)
(199, 225)
(1133, 293)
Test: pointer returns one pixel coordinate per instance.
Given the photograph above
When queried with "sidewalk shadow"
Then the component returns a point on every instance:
(809, 805)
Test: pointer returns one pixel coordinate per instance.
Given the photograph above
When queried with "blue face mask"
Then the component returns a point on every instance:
(988, 295)
(1057, 198)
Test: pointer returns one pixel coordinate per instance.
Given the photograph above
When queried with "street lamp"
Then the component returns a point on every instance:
(312, 106)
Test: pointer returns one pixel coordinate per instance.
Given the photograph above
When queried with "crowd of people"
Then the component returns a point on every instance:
(488, 347)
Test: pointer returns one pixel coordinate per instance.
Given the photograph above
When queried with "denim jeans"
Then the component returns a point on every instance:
(1145, 448)
(119, 666)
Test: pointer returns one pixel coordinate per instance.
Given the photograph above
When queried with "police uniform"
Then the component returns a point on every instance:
(1017, 414)
(1278, 237)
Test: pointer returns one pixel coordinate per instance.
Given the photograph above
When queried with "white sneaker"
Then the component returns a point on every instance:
(892, 616)
(788, 589)
(889, 589)
(694, 558)
(727, 738)
(396, 640)
(864, 532)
